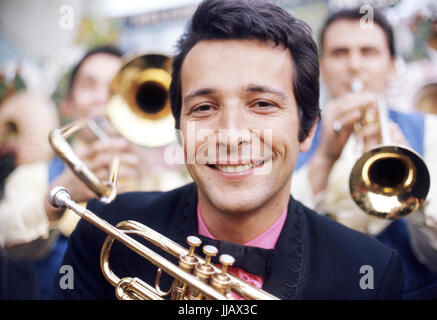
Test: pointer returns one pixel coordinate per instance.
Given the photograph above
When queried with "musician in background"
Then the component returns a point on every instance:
(26, 118)
(88, 95)
(350, 51)
(250, 66)
(86, 99)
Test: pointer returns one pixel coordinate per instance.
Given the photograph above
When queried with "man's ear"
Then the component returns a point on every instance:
(306, 143)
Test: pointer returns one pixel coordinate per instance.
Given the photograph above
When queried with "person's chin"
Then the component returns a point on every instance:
(236, 201)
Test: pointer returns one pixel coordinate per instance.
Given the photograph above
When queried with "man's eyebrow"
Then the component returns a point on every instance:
(337, 48)
(249, 88)
(265, 89)
(198, 93)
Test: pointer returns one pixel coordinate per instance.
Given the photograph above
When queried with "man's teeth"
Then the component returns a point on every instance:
(239, 168)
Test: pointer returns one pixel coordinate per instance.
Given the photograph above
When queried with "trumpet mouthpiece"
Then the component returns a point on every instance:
(356, 85)
(58, 197)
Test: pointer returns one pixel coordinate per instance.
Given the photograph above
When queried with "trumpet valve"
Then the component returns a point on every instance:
(209, 251)
(187, 262)
(203, 272)
(226, 261)
(221, 281)
(193, 242)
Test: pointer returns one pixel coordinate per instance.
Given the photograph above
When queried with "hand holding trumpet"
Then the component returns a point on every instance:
(341, 118)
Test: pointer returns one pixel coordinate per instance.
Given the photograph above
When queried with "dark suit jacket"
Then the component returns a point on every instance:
(314, 258)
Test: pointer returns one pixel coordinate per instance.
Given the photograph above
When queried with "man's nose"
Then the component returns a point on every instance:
(354, 62)
(232, 117)
(233, 132)
(101, 98)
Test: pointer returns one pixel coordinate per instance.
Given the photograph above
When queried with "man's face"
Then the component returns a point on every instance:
(90, 91)
(350, 52)
(229, 87)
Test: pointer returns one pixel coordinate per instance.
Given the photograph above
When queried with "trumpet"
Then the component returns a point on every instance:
(194, 278)
(389, 180)
(139, 109)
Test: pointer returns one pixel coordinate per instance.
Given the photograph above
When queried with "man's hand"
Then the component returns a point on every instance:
(344, 112)
(98, 158)
(371, 135)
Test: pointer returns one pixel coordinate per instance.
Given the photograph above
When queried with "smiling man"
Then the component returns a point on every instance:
(242, 92)
(245, 96)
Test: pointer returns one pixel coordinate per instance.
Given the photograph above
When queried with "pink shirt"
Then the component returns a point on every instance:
(266, 240)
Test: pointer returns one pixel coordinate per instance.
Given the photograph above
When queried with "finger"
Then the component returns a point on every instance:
(371, 135)
(355, 101)
(130, 159)
(114, 145)
(345, 122)
(101, 173)
(102, 160)
(126, 172)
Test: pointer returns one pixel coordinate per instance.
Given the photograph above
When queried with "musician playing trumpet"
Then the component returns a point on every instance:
(244, 95)
(357, 65)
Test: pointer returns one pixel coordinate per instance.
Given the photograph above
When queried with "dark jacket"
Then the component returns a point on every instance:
(314, 258)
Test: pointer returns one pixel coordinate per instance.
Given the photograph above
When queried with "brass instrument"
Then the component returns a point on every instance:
(389, 180)
(139, 109)
(194, 279)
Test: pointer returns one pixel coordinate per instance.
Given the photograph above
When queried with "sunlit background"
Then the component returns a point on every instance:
(47, 37)
(44, 38)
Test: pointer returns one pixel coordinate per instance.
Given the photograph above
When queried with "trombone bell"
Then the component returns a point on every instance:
(139, 107)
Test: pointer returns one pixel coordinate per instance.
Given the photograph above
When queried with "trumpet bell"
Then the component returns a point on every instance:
(139, 107)
(389, 181)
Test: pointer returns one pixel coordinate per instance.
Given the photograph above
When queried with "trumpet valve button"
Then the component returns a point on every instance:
(226, 261)
(209, 251)
(193, 242)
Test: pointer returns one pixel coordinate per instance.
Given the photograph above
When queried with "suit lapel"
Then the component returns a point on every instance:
(285, 276)
(186, 219)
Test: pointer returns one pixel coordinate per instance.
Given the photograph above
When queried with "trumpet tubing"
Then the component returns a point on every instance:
(194, 277)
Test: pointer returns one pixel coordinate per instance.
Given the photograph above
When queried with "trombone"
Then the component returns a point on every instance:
(389, 180)
(194, 278)
(139, 109)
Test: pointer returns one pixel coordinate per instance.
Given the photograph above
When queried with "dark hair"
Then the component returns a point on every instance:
(252, 19)
(354, 14)
(107, 49)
